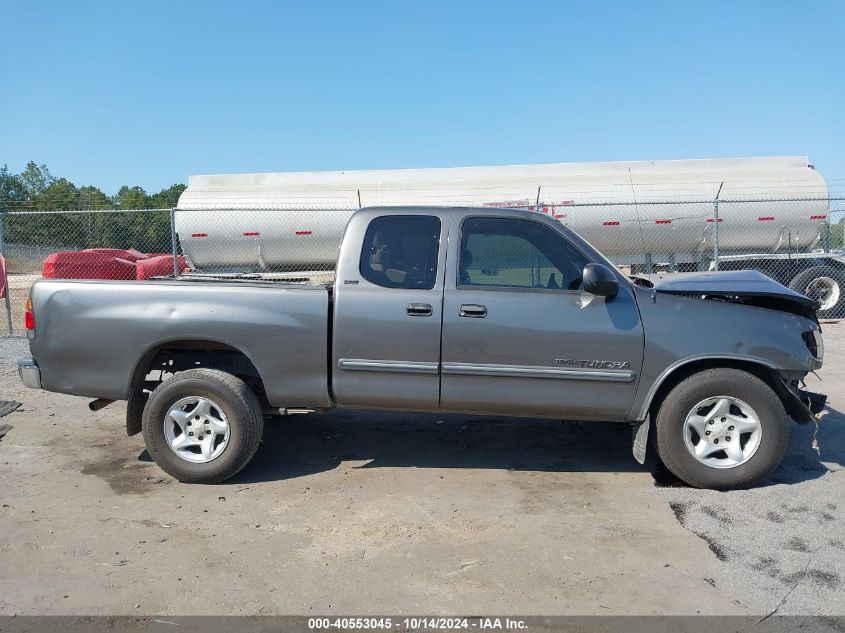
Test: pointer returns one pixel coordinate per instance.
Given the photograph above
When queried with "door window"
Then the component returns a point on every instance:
(508, 253)
(400, 251)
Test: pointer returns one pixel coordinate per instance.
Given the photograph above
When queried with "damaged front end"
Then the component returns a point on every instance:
(753, 288)
(802, 405)
(746, 287)
(813, 401)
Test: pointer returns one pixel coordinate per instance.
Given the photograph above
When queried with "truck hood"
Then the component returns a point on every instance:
(747, 287)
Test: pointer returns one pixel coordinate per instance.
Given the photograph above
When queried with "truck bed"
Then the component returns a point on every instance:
(282, 327)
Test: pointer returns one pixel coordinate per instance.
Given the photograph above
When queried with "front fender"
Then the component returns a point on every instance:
(682, 330)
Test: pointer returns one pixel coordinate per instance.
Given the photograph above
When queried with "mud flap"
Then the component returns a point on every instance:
(135, 411)
(641, 439)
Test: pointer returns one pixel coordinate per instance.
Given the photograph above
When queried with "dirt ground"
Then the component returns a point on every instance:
(358, 513)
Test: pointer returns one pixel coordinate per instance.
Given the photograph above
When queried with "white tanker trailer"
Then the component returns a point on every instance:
(641, 214)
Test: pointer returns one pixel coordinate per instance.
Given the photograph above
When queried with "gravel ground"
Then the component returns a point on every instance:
(782, 544)
(356, 513)
(343, 513)
(10, 350)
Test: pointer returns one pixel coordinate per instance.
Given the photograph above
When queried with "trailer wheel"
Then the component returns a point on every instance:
(202, 425)
(721, 429)
(824, 284)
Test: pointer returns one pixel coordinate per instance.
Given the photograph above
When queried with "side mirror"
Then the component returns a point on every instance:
(599, 280)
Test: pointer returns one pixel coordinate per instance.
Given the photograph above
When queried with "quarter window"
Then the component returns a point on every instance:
(400, 251)
(507, 253)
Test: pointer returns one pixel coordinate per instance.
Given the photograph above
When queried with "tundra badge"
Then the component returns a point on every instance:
(593, 364)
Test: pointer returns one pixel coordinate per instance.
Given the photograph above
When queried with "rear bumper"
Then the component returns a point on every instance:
(29, 372)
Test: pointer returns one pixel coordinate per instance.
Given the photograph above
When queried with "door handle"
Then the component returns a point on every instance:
(418, 309)
(472, 310)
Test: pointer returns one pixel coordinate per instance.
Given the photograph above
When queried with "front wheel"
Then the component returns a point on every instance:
(202, 425)
(722, 429)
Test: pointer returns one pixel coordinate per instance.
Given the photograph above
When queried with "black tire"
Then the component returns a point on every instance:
(733, 383)
(801, 283)
(231, 395)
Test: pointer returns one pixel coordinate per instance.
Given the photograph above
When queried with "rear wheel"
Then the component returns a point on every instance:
(825, 285)
(721, 429)
(202, 425)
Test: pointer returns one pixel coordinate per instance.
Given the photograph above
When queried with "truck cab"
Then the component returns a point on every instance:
(480, 311)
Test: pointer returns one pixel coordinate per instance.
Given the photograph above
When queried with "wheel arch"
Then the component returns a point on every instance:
(193, 348)
(687, 367)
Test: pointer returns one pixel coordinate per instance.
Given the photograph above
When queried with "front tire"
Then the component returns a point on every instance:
(722, 429)
(202, 425)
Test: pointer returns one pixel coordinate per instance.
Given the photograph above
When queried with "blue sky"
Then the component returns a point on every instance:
(112, 93)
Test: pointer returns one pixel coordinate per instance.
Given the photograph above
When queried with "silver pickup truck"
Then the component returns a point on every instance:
(482, 311)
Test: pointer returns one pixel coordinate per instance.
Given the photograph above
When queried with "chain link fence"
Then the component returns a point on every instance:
(798, 242)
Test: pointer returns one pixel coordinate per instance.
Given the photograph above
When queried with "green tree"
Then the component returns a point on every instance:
(92, 198)
(167, 198)
(36, 178)
(132, 198)
(836, 234)
(13, 192)
(122, 230)
(36, 190)
(51, 229)
(59, 194)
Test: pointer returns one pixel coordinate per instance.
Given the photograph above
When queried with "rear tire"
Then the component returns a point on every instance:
(824, 284)
(722, 429)
(202, 425)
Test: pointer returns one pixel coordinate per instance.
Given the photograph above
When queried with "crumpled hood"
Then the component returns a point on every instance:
(748, 287)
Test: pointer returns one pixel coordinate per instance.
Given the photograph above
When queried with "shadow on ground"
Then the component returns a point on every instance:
(301, 445)
(802, 462)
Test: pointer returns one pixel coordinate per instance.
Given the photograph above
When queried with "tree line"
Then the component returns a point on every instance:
(35, 191)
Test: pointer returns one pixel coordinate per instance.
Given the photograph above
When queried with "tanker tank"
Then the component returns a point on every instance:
(295, 221)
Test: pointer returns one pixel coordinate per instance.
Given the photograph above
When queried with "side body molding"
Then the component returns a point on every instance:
(388, 366)
(528, 371)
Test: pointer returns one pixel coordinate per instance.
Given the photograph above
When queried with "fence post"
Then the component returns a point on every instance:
(825, 234)
(716, 228)
(173, 241)
(6, 280)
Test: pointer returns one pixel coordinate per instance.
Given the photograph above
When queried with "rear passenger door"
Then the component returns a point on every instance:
(387, 312)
